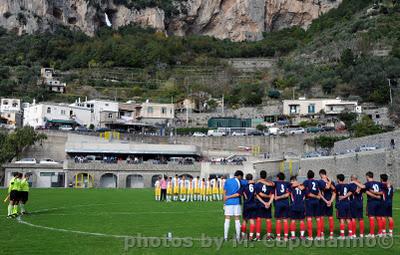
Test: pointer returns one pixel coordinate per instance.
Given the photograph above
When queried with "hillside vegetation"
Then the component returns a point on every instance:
(344, 53)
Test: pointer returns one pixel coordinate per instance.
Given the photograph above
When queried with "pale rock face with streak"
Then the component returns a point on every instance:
(238, 20)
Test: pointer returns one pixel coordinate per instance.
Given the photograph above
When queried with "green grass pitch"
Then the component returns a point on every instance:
(106, 215)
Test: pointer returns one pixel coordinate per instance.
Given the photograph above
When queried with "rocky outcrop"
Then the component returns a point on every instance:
(237, 20)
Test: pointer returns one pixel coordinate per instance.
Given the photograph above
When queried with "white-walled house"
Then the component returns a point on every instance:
(94, 112)
(10, 105)
(312, 107)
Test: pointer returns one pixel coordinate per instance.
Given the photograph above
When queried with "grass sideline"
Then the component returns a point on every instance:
(128, 212)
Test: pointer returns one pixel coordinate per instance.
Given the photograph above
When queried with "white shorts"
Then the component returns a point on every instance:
(233, 210)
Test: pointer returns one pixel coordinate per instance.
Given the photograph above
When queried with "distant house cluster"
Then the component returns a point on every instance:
(49, 80)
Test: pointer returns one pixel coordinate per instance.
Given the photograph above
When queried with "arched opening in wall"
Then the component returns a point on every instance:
(108, 181)
(72, 20)
(83, 180)
(134, 181)
(57, 13)
(155, 178)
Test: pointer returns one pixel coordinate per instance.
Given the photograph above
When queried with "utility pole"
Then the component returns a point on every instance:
(223, 106)
(390, 92)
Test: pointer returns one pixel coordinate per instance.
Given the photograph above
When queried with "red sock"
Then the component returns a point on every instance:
(350, 227)
(258, 227)
(286, 228)
(252, 229)
(354, 225)
(383, 220)
(361, 222)
(302, 226)
(293, 226)
(379, 219)
(342, 229)
(269, 226)
(243, 227)
(391, 224)
(371, 225)
(278, 228)
(309, 227)
(318, 226)
(322, 223)
(331, 225)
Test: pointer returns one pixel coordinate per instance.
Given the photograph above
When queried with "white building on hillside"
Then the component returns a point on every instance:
(94, 112)
(10, 112)
(311, 107)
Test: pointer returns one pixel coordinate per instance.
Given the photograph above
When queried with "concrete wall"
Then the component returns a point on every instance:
(380, 140)
(378, 162)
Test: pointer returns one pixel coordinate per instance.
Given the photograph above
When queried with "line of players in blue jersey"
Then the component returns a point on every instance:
(314, 200)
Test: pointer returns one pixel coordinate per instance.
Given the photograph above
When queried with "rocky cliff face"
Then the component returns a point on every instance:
(237, 20)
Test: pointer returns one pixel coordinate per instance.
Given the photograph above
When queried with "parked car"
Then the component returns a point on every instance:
(215, 133)
(312, 154)
(102, 130)
(26, 161)
(81, 129)
(296, 131)
(327, 129)
(275, 131)
(199, 134)
(238, 133)
(65, 128)
(366, 148)
(256, 133)
(48, 161)
(313, 130)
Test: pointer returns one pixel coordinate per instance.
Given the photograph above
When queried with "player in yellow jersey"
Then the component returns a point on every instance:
(24, 191)
(190, 190)
(203, 190)
(209, 190)
(175, 186)
(215, 190)
(196, 188)
(169, 189)
(157, 189)
(13, 191)
(182, 188)
(221, 181)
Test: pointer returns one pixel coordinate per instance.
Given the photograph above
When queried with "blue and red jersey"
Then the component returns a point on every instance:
(282, 188)
(342, 189)
(387, 192)
(264, 189)
(373, 186)
(297, 197)
(248, 192)
(314, 187)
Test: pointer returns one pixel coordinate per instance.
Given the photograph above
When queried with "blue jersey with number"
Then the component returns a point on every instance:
(313, 186)
(374, 187)
(297, 197)
(342, 189)
(264, 189)
(357, 196)
(328, 191)
(387, 193)
(282, 188)
(248, 193)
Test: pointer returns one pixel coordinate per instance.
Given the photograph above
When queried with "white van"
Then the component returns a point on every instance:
(215, 133)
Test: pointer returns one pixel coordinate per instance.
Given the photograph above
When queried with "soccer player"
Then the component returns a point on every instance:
(13, 189)
(221, 183)
(281, 205)
(265, 197)
(326, 203)
(208, 190)
(249, 206)
(203, 190)
(374, 191)
(387, 211)
(24, 187)
(232, 203)
(157, 189)
(169, 189)
(297, 208)
(343, 195)
(313, 190)
(183, 188)
(215, 189)
(196, 188)
(190, 189)
(175, 186)
(356, 205)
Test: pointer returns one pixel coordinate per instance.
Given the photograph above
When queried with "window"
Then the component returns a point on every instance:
(15, 104)
(48, 110)
(311, 108)
(293, 109)
(110, 115)
(378, 116)
(62, 112)
(46, 173)
(5, 102)
(163, 110)
(150, 110)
